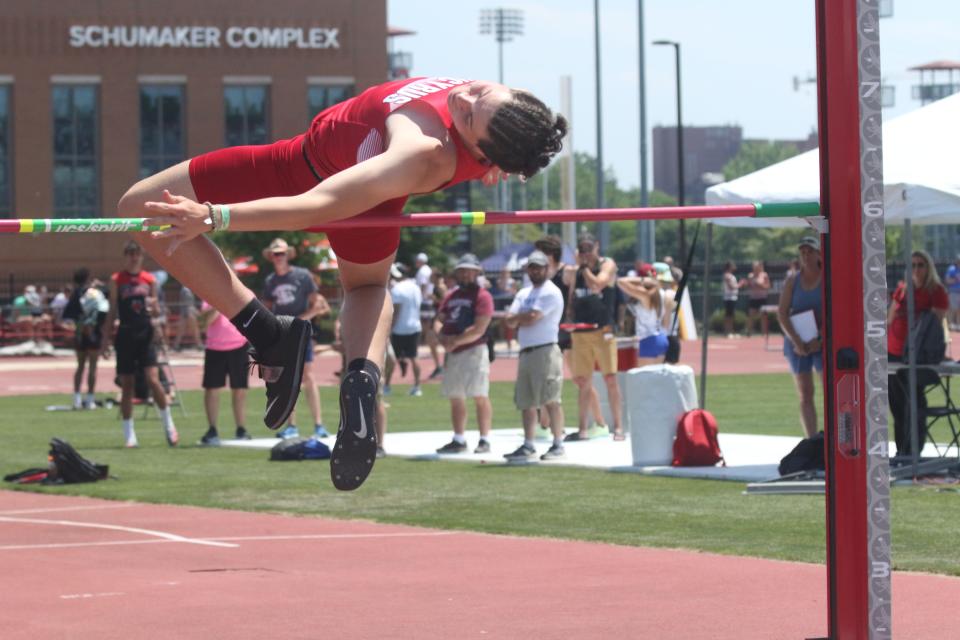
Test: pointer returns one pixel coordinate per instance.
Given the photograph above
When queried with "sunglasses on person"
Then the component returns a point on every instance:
(279, 254)
(919, 265)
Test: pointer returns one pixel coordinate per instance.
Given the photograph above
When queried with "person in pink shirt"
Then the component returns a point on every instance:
(225, 355)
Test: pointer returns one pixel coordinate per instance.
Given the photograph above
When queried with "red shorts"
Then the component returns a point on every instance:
(239, 174)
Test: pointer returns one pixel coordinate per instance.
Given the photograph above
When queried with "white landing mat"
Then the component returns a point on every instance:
(749, 458)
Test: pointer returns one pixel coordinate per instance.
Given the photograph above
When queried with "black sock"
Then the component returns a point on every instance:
(257, 324)
(362, 364)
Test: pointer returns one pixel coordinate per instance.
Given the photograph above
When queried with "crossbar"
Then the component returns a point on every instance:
(448, 219)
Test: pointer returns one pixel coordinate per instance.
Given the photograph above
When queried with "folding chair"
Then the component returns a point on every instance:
(948, 411)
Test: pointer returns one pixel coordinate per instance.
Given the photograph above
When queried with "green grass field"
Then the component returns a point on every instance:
(529, 501)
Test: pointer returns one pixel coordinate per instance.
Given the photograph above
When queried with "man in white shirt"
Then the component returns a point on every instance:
(424, 279)
(537, 311)
(405, 334)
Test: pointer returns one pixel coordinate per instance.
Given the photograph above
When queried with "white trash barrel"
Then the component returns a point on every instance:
(655, 397)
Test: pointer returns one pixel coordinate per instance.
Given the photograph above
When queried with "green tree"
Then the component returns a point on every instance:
(755, 155)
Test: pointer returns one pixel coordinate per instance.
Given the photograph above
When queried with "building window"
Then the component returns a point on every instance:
(76, 185)
(320, 96)
(6, 180)
(162, 139)
(247, 114)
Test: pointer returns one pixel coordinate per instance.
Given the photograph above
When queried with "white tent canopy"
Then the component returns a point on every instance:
(921, 173)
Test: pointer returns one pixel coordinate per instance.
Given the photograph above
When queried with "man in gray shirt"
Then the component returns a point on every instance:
(291, 291)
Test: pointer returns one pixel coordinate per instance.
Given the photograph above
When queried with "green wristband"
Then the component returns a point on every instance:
(225, 214)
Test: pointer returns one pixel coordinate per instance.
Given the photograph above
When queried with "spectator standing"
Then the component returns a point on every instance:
(133, 298)
(462, 322)
(929, 295)
(952, 279)
(188, 320)
(59, 303)
(536, 311)
(593, 299)
(426, 279)
(88, 309)
(405, 334)
(731, 291)
(649, 309)
(225, 355)
(758, 288)
(291, 291)
(802, 292)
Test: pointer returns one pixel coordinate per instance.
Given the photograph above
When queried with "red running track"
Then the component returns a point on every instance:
(33, 375)
(301, 577)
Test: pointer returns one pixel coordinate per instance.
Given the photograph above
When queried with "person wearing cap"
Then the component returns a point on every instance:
(462, 322)
(951, 278)
(593, 299)
(133, 299)
(536, 312)
(292, 291)
(649, 308)
(405, 334)
(802, 292)
(757, 285)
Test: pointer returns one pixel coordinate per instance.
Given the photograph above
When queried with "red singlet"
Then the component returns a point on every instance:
(338, 138)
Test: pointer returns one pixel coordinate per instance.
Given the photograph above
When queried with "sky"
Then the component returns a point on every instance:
(738, 61)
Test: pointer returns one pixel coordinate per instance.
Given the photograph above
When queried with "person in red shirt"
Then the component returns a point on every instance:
(367, 154)
(462, 322)
(929, 295)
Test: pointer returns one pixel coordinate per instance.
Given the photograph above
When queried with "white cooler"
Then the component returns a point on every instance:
(654, 398)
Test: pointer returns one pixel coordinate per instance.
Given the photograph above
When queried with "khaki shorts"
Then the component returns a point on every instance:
(539, 378)
(591, 347)
(466, 374)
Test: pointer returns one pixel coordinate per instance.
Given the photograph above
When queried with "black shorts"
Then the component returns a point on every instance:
(135, 349)
(729, 307)
(217, 365)
(88, 341)
(405, 346)
(563, 340)
(756, 304)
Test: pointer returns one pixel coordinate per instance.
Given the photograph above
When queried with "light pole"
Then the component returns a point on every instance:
(646, 234)
(504, 24)
(680, 180)
(604, 227)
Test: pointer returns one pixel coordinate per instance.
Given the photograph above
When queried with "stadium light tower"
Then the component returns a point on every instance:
(504, 24)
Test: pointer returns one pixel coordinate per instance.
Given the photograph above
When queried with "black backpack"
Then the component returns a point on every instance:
(806, 456)
(300, 449)
(929, 339)
(69, 467)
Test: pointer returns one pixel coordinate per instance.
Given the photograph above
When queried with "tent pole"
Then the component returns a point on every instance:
(706, 316)
(912, 414)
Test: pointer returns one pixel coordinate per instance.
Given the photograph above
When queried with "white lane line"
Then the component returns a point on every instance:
(18, 512)
(345, 536)
(308, 536)
(172, 537)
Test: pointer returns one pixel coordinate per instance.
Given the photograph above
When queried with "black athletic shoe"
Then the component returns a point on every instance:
(453, 447)
(211, 438)
(281, 367)
(243, 434)
(355, 451)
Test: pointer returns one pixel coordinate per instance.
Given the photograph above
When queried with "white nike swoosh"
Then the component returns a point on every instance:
(247, 323)
(362, 431)
(272, 402)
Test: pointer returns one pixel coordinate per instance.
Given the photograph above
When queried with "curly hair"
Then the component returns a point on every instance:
(523, 135)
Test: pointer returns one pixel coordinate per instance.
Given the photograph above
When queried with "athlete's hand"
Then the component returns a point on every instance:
(186, 219)
(493, 176)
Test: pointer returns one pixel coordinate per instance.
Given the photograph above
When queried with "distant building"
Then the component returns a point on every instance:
(96, 95)
(706, 151)
(937, 80)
